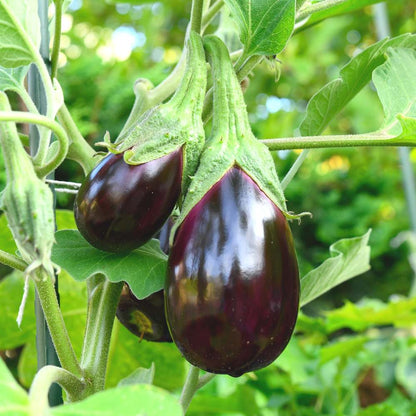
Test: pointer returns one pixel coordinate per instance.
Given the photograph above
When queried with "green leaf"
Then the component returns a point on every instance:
(65, 219)
(265, 25)
(143, 269)
(349, 258)
(20, 32)
(241, 402)
(135, 400)
(6, 239)
(139, 376)
(129, 353)
(347, 6)
(345, 348)
(11, 293)
(13, 78)
(333, 97)
(399, 312)
(14, 401)
(395, 82)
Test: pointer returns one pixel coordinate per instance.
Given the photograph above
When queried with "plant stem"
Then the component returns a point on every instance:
(204, 379)
(57, 38)
(79, 150)
(101, 311)
(196, 15)
(190, 387)
(55, 321)
(307, 10)
(38, 393)
(211, 13)
(294, 168)
(12, 261)
(353, 140)
(25, 117)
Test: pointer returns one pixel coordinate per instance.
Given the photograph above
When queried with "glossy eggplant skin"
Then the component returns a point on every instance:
(232, 290)
(145, 318)
(119, 206)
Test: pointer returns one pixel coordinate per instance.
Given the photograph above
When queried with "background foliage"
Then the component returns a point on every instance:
(353, 357)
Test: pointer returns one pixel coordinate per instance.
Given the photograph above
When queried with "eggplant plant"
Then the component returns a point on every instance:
(181, 229)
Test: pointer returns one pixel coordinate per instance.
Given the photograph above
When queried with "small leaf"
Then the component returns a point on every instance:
(14, 401)
(333, 97)
(20, 32)
(349, 258)
(13, 78)
(143, 269)
(265, 25)
(346, 347)
(135, 400)
(395, 82)
(139, 376)
(6, 239)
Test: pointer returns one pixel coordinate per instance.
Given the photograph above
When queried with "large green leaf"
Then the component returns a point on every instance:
(333, 97)
(14, 401)
(143, 269)
(19, 32)
(395, 82)
(349, 258)
(265, 25)
(134, 400)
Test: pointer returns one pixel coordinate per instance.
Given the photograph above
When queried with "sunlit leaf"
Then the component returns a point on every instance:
(349, 258)
(265, 25)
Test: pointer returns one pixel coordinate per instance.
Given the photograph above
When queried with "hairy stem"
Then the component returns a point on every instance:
(196, 15)
(353, 140)
(53, 315)
(57, 38)
(24, 117)
(79, 150)
(12, 261)
(38, 393)
(211, 13)
(308, 9)
(294, 168)
(190, 387)
(98, 336)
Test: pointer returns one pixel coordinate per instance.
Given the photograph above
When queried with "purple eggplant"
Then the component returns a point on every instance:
(119, 206)
(232, 290)
(145, 318)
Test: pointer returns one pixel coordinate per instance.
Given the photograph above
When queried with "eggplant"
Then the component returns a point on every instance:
(119, 206)
(232, 289)
(145, 318)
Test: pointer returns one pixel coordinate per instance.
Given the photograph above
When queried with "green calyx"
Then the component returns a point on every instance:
(27, 201)
(177, 123)
(231, 142)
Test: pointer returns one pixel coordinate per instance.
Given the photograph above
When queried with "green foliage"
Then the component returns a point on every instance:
(265, 26)
(143, 269)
